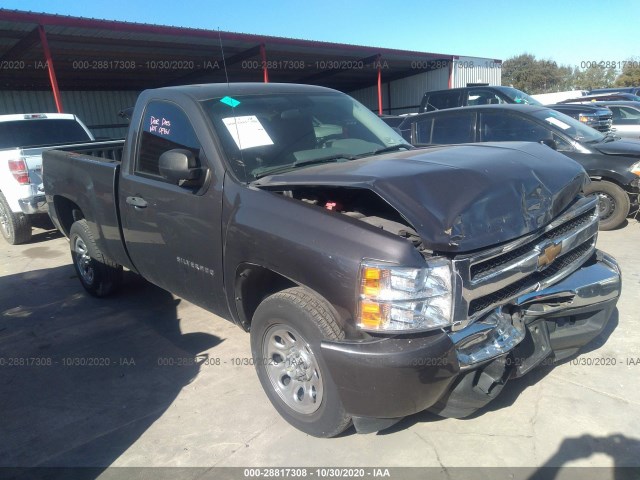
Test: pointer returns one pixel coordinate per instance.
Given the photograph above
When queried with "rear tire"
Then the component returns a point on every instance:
(286, 332)
(99, 275)
(613, 203)
(15, 227)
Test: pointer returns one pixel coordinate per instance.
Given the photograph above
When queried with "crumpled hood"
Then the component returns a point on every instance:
(459, 198)
(629, 148)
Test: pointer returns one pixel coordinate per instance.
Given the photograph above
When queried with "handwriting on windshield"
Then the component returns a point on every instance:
(161, 126)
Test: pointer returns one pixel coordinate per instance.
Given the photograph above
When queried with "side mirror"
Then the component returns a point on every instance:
(549, 143)
(179, 165)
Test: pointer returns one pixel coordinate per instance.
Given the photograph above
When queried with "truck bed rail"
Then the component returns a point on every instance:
(108, 150)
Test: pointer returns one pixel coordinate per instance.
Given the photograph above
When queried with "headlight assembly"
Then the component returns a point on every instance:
(400, 299)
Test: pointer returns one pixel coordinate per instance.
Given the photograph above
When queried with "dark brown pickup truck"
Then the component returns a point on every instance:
(377, 280)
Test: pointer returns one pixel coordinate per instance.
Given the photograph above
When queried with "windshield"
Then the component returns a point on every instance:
(40, 132)
(569, 126)
(277, 132)
(519, 97)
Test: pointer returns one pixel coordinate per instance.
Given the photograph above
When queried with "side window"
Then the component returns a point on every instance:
(616, 112)
(443, 100)
(504, 127)
(483, 97)
(562, 145)
(626, 113)
(164, 127)
(422, 131)
(456, 128)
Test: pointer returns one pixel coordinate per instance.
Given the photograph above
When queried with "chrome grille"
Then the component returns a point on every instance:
(493, 277)
(604, 123)
(526, 284)
(479, 269)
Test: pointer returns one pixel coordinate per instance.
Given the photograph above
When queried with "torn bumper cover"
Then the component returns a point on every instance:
(455, 373)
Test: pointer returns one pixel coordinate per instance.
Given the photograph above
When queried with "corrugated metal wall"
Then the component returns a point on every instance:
(407, 92)
(369, 97)
(94, 107)
(476, 70)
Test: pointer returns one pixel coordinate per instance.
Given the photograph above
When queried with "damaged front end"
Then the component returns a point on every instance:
(538, 298)
(549, 324)
(542, 296)
(487, 306)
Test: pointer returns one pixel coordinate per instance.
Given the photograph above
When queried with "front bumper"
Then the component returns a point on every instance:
(392, 377)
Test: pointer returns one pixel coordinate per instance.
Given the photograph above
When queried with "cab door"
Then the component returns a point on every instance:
(173, 230)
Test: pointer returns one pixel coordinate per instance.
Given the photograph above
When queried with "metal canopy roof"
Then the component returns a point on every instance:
(91, 54)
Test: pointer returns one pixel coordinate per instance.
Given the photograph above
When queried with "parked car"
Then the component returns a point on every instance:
(23, 138)
(612, 164)
(376, 280)
(471, 96)
(603, 97)
(625, 117)
(555, 97)
(596, 117)
(632, 90)
(394, 121)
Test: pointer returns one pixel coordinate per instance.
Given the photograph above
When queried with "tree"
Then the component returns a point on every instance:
(533, 76)
(630, 76)
(596, 76)
(567, 75)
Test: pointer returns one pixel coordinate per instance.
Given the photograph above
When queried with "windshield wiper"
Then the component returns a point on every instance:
(303, 163)
(392, 148)
(328, 158)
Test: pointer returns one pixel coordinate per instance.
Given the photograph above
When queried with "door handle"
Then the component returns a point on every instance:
(137, 202)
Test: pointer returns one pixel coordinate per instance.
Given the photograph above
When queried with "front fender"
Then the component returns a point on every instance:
(306, 244)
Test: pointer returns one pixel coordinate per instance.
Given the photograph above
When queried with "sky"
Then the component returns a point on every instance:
(568, 32)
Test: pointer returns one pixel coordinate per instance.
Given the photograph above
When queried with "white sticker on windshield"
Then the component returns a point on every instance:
(558, 123)
(247, 132)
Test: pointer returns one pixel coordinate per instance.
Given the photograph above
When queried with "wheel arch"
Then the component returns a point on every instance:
(253, 283)
(610, 176)
(66, 213)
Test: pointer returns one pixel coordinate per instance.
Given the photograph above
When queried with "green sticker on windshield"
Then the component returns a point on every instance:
(232, 102)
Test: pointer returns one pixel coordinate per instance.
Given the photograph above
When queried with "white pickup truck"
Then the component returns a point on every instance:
(23, 138)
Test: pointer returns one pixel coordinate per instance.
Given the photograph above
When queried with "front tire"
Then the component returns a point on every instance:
(286, 332)
(99, 276)
(613, 203)
(15, 227)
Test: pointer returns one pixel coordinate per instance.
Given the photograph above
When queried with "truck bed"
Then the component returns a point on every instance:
(85, 177)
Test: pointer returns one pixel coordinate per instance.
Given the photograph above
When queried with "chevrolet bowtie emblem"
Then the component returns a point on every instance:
(549, 255)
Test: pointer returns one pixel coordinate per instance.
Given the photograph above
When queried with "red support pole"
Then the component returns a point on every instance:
(52, 73)
(379, 87)
(263, 54)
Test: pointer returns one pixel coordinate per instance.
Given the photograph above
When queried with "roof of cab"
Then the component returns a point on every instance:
(215, 90)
